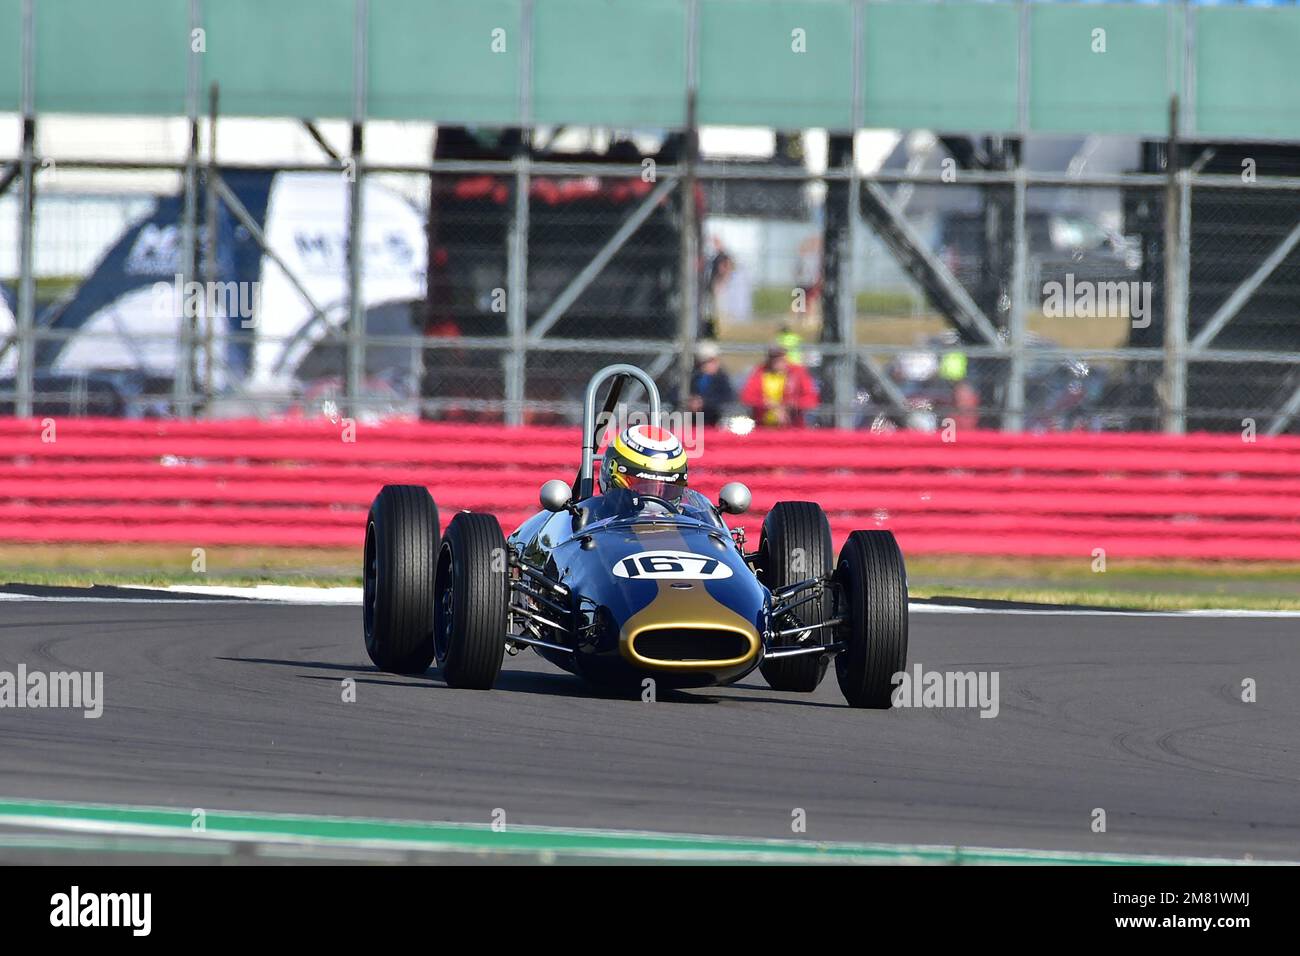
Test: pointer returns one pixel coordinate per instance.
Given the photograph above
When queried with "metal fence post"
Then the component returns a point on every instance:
(689, 318)
(846, 367)
(210, 255)
(1014, 420)
(517, 290)
(26, 371)
(1184, 295)
(515, 364)
(1176, 263)
(189, 230)
(1014, 414)
(688, 327)
(355, 372)
(847, 311)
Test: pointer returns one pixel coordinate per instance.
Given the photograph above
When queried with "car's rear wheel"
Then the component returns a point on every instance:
(397, 574)
(472, 597)
(872, 581)
(795, 546)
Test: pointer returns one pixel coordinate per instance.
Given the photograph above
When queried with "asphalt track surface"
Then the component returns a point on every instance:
(238, 706)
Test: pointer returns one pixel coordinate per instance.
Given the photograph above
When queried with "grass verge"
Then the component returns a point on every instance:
(1119, 600)
(81, 565)
(1141, 585)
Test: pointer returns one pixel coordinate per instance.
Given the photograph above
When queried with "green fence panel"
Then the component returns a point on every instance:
(1100, 69)
(98, 57)
(1248, 73)
(444, 60)
(950, 66)
(280, 57)
(782, 63)
(610, 62)
(941, 66)
(11, 55)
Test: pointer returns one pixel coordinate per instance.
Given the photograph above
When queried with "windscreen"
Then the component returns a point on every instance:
(648, 500)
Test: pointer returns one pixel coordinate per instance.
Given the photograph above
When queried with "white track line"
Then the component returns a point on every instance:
(266, 592)
(285, 594)
(915, 607)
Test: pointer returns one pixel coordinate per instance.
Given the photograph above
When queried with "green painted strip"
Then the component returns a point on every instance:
(543, 842)
(74, 843)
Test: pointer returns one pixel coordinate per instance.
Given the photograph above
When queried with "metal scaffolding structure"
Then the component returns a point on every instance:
(859, 206)
(1008, 344)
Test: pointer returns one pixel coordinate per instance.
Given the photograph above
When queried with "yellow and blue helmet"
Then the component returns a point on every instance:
(647, 459)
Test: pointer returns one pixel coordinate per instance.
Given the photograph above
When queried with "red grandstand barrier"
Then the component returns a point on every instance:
(308, 483)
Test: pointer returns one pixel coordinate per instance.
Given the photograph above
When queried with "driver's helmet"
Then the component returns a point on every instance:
(645, 459)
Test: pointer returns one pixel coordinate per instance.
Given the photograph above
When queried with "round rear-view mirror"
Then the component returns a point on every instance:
(556, 495)
(734, 498)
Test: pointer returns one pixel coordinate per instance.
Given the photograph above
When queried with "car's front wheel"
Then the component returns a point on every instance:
(397, 575)
(471, 601)
(872, 582)
(796, 546)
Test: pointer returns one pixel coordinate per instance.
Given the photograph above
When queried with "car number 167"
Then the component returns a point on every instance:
(671, 565)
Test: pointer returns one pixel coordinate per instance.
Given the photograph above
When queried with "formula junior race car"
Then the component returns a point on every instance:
(634, 578)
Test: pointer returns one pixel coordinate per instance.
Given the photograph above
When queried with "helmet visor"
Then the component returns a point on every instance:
(670, 491)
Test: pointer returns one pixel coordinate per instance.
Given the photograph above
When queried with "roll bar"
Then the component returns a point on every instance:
(620, 374)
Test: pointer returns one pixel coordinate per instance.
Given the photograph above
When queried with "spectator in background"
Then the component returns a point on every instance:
(792, 342)
(728, 292)
(711, 390)
(808, 275)
(779, 392)
(716, 271)
(735, 294)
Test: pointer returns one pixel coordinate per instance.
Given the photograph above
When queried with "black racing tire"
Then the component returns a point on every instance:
(472, 596)
(397, 572)
(872, 581)
(795, 545)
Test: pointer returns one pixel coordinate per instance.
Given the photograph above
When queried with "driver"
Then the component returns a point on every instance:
(645, 459)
